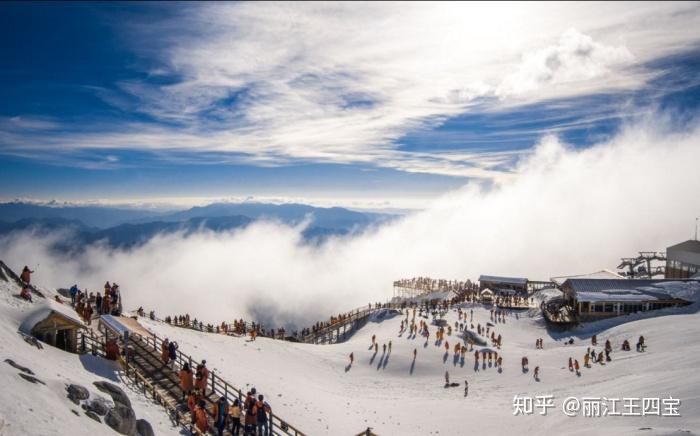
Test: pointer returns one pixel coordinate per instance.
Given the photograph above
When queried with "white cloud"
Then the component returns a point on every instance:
(565, 211)
(576, 58)
(343, 82)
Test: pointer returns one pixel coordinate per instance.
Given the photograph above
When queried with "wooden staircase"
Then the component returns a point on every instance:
(143, 365)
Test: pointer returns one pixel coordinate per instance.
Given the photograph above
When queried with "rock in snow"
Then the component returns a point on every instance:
(143, 428)
(77, 393)
(20, 367)
(122, 419)
(31, 379)
(113, 391)
(92, 415)
(99, 406)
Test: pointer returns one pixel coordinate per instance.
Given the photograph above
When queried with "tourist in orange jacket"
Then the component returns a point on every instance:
(200, 417)
(186, 379)
(164, 355)
(192, 400)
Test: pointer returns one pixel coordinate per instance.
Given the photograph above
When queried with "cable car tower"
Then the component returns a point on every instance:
(640, 267)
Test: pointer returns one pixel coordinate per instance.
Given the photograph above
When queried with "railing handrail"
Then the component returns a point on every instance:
(351, 316)
(358, 313)
(225, 388)
(180, 417)
(218, 385)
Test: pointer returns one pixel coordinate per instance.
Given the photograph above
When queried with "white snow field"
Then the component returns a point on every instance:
(311, 387)
(36, 409)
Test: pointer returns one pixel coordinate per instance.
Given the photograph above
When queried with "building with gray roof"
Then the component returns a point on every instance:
(683, 260)
(601, 298)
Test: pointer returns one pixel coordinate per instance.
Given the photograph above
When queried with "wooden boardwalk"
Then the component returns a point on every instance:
(339, 330)
(146, 369)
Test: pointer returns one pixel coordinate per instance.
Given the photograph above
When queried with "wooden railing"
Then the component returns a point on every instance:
(356, 315)
(89, 342)
(349, 318)
(181, 418)
(221, 387)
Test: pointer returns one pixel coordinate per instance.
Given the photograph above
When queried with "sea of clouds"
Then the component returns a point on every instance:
(566, 211)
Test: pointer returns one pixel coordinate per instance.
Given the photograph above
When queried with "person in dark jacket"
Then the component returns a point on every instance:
(262, 409)
(221, 412)
(73, 293)
(98, 303)
(251, 415)
(172, 353)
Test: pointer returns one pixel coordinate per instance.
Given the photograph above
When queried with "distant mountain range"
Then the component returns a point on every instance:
(78, 226)
(93, 216)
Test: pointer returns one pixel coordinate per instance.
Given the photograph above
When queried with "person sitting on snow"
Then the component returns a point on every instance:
(25, 294)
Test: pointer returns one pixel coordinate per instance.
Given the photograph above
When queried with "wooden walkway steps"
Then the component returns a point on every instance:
(144, 366)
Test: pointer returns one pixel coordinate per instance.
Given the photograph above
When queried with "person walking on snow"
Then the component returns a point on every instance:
(352, 358)
(640, 344)
(537, 373)
(447, 378)
(466, 388)
(571, 364)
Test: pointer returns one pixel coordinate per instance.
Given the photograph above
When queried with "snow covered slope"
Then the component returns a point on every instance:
(313, 387)
(43, 409)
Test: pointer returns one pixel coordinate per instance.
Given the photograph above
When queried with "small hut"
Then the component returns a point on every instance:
(54, 324)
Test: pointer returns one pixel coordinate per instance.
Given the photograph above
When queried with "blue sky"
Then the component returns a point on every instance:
(376, 105)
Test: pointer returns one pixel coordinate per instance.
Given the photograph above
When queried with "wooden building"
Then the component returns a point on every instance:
(54, 324)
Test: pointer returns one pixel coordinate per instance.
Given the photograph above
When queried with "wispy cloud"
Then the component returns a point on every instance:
(273, 83)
